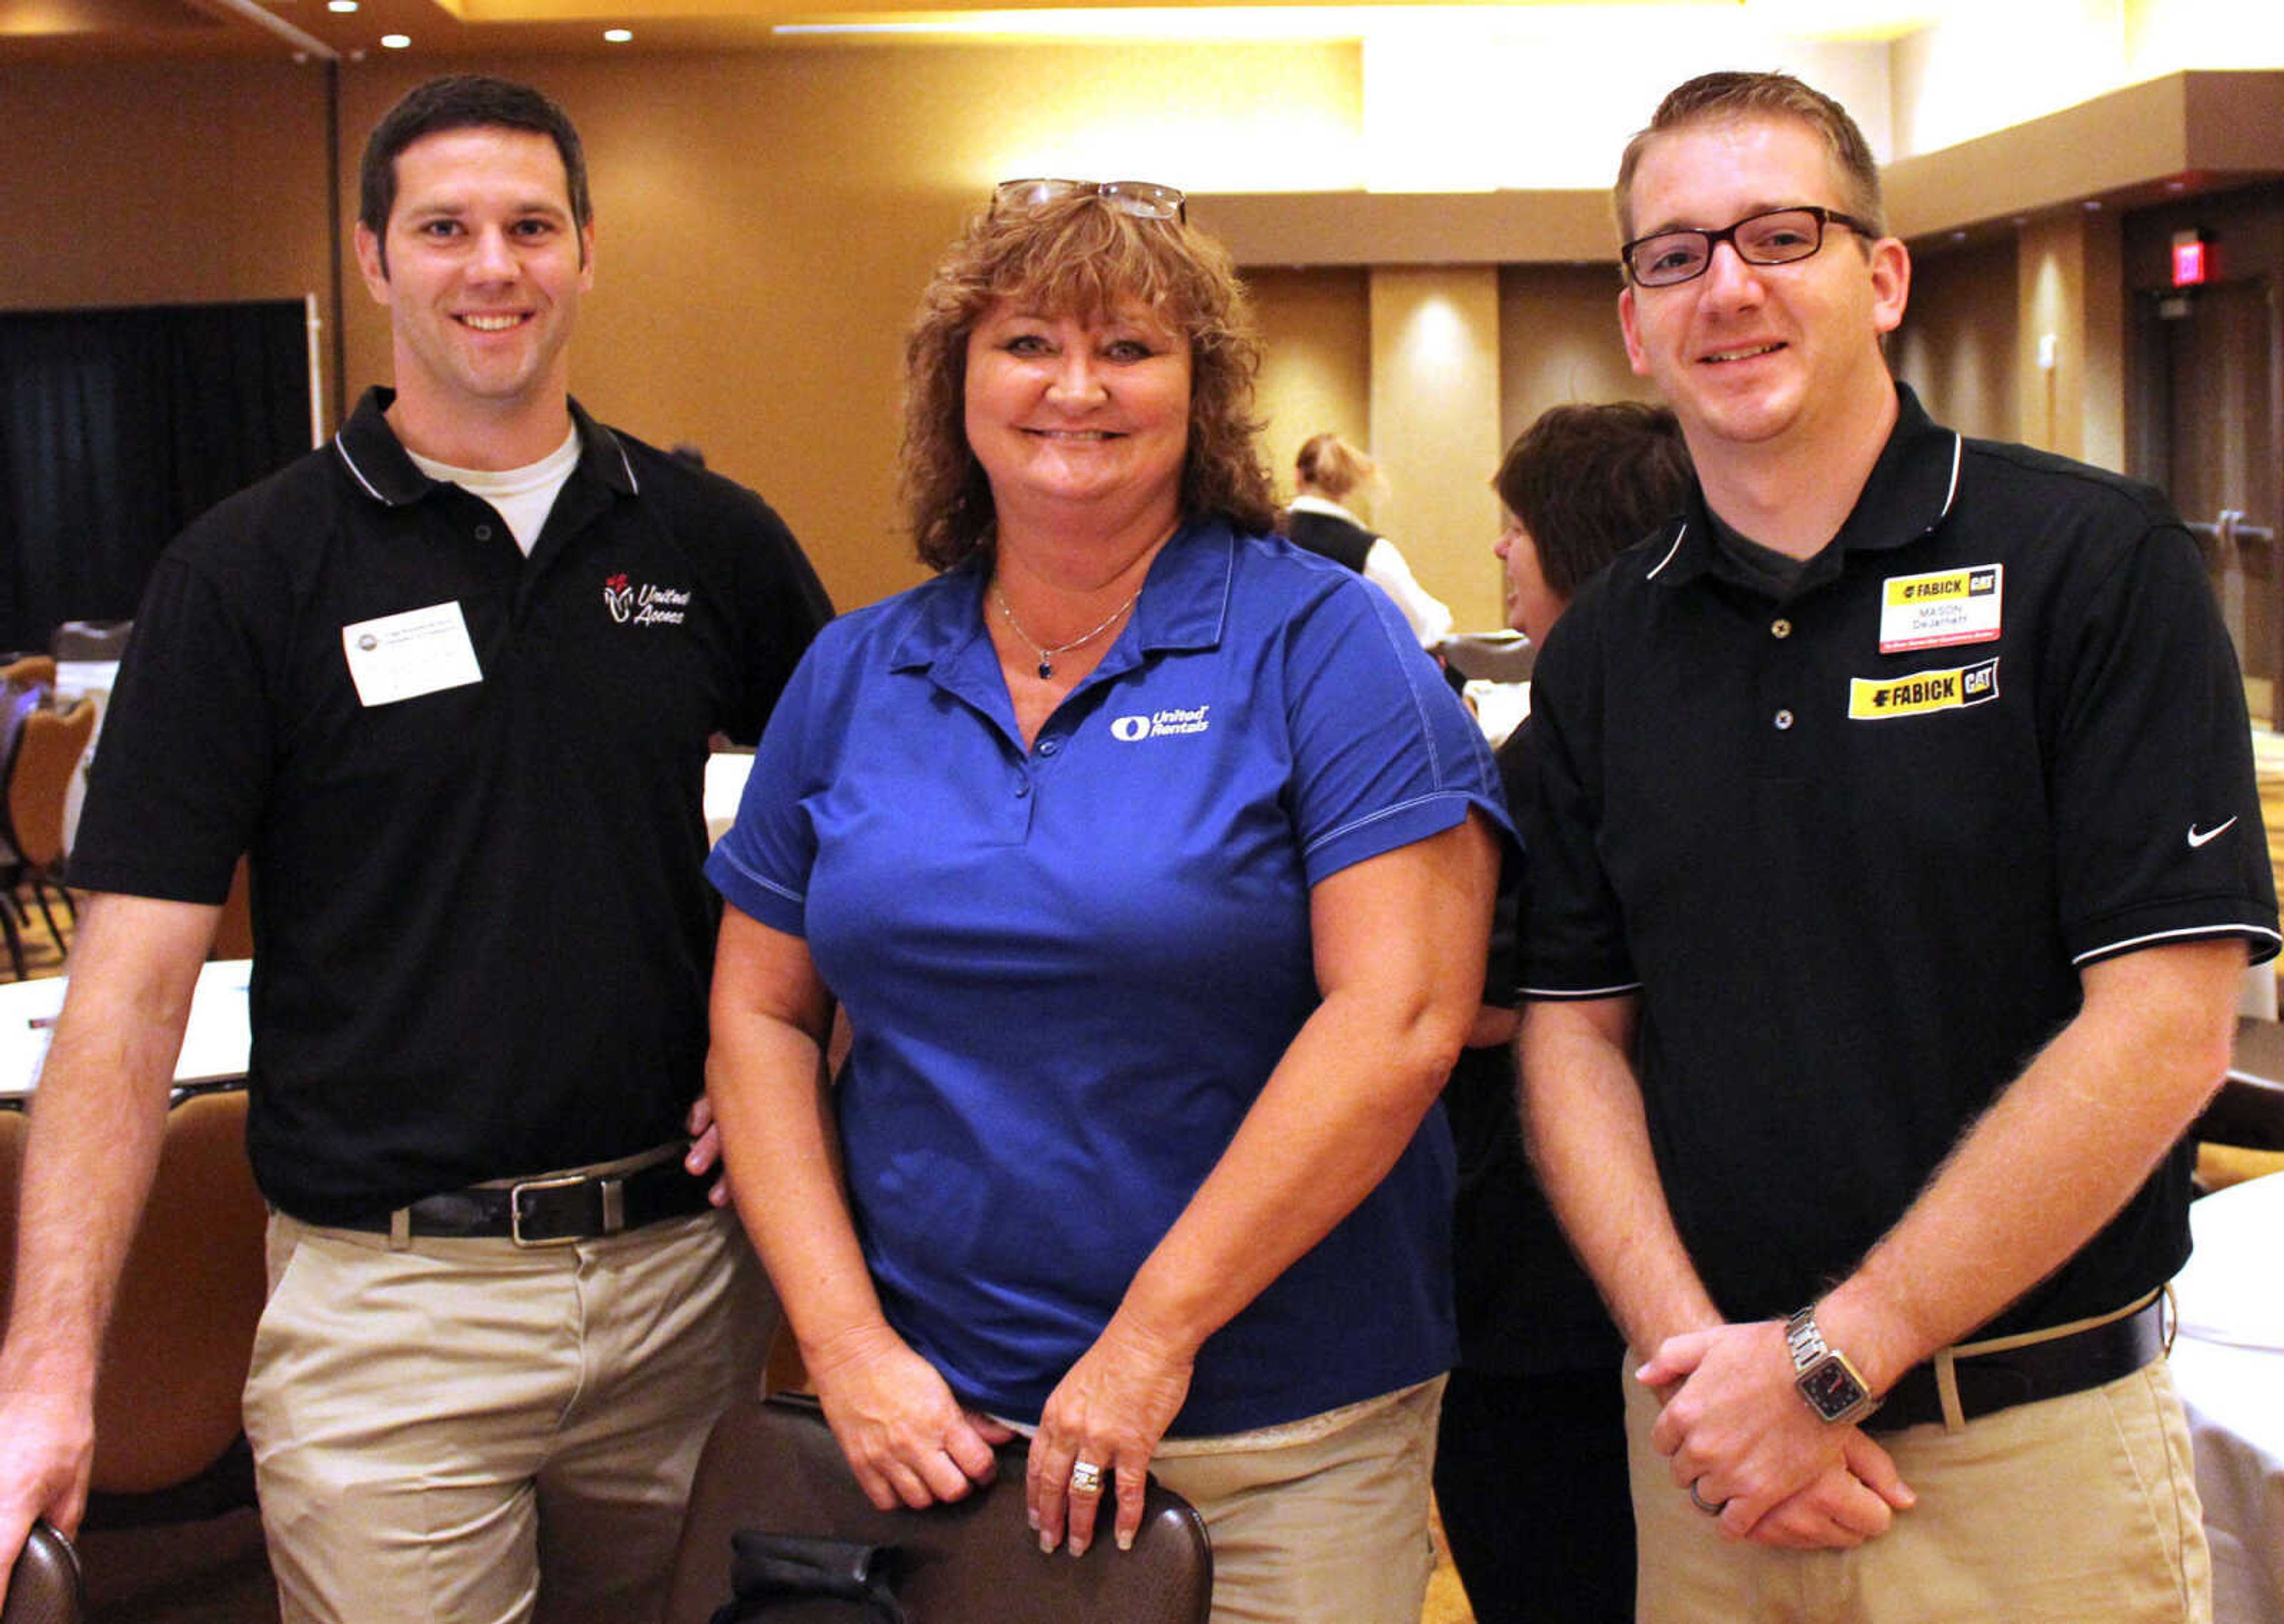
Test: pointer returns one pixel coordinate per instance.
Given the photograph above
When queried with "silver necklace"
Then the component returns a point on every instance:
(1047, 655)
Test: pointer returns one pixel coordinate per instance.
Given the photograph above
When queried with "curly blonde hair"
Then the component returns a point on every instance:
(1075, 255)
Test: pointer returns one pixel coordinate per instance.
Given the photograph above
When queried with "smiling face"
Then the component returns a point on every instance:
(484, 272)
(1760, 356)
(1071, 414)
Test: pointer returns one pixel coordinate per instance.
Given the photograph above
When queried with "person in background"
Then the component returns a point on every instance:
(1154, 867)
(449, 679)
(1530, 1455)
(1893, 857)
(1327, 470)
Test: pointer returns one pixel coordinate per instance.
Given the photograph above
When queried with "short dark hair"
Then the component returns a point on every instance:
(464, 101)
(1590, 481)
(1725, 97)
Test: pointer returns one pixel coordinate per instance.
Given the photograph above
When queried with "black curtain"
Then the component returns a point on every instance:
(117, 427)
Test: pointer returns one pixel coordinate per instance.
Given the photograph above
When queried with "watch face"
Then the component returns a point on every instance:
(1831, 1387)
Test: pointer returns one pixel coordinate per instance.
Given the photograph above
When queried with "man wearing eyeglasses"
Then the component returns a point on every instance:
(1893, 860)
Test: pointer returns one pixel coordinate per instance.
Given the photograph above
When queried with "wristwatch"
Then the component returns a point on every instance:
(1826, 1381)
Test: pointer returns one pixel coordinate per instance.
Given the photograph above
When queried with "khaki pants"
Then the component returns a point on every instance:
(1330, 1531)
(2066, 1511)
(469, 1432)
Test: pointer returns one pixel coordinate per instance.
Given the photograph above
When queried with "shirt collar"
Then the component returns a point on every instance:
(1306, 504)
(1910, 492)
(376, 459)
(1184, 603)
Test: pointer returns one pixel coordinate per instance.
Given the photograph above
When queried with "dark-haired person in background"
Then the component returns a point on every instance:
(1531, 1455)
(450, 681)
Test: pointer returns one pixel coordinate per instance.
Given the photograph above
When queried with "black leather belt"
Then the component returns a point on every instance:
(2004, 1378)
(552, 1210)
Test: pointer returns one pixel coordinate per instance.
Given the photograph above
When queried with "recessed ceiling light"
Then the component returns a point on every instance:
(343, 6)
(396, 42)
(618, 37)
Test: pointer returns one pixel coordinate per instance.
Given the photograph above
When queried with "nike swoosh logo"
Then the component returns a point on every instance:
(2199, 837)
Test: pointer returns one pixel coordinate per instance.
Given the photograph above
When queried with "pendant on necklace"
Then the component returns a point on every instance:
(1045, 670)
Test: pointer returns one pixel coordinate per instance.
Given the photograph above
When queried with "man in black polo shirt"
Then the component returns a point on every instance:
(1893, 863)
(449, 680)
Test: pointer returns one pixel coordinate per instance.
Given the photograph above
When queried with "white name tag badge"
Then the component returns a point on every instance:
(1943, 610)
(404, 656)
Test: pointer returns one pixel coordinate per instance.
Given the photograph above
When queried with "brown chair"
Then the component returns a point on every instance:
(167, 1442)
(772, 1465)
(45, 1588)
(48, 748)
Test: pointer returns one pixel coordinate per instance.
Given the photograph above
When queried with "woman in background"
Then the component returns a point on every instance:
(1154, 868)
(1530, 1462)
(1327, 470)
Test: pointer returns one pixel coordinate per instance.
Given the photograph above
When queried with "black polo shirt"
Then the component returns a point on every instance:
(1852, 845)
(484, 940)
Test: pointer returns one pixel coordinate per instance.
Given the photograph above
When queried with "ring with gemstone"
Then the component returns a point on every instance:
(1086, 1478)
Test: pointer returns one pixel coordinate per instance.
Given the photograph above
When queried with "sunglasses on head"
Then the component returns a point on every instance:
(1144, 199)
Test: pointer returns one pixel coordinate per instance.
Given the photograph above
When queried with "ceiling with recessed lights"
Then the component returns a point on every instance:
(350, 28)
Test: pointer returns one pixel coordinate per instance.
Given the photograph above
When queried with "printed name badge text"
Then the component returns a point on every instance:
(404, 656)
(1948, 607)
(1879, 698)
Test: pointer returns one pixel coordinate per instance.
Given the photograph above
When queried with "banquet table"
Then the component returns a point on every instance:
(2228, 1362)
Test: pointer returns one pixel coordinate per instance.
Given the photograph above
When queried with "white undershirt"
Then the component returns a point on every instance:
(523, 496)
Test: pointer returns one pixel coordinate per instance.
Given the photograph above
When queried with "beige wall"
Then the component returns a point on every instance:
(1434, 428)
(2069, 289)
(161, 184)
(1956, 347)
(1559, 343)
(1316, 374)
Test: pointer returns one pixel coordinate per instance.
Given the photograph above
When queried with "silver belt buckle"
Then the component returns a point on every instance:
(515, 1209)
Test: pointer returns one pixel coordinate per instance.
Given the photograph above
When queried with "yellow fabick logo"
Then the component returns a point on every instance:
(1874, 699)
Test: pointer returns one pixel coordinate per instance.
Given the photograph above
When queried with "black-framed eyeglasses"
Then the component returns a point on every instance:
(1780, 237)
(1146, 199)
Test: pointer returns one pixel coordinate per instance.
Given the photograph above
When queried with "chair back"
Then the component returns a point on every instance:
(772, 1464)
(166, 1400)
(49, 747)
(45, 1588)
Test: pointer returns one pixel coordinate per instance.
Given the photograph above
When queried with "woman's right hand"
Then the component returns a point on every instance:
(906, 1437)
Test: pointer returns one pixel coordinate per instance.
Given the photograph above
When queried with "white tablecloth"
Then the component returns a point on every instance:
(214, 1048)
(2228, 1362)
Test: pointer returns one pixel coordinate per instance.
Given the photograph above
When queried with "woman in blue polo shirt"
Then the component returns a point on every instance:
(1152, 862)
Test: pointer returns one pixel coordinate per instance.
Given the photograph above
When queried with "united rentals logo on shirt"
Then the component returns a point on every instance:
(644, 606)
(1938, 611)
(1875, 699)
(1159, 724)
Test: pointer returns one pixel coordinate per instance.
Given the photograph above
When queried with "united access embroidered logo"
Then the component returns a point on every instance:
(1159, 724)
(644, 606)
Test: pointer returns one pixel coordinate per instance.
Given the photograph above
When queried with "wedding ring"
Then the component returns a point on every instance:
(1086, 1478)
(1699, 1501)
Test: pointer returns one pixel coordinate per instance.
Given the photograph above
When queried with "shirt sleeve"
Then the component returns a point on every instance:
(185, 760)
(1429, 618)
(761, 866)
(1571, 943)
(1384, 754)
(786, 604)
(2157, 815)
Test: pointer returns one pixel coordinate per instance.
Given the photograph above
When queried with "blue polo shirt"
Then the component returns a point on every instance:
(1070, 970)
